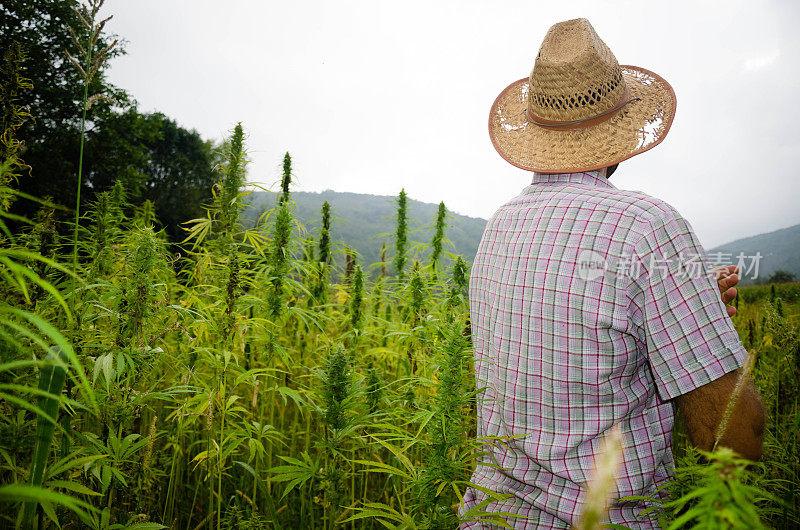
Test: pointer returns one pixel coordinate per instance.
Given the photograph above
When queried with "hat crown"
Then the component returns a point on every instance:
(575, 75)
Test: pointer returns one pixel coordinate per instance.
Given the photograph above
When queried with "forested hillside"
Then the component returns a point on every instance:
(780, 250)
(365, 222)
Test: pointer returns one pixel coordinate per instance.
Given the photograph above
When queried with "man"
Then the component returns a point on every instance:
(593, 307)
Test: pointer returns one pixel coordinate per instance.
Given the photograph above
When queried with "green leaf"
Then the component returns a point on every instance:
(51, 380)
(380, 467)
(71, 486)
(37, 494)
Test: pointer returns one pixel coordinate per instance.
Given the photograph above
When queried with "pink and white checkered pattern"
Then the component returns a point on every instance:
(564, 352)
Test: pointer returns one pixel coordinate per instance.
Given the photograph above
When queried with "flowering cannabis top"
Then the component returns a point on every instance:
(591, 307)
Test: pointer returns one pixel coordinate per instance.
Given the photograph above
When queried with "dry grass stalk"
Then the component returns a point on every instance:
(603, 484)
(744, 376)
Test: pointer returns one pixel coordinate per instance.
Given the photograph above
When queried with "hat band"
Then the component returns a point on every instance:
(585, 122)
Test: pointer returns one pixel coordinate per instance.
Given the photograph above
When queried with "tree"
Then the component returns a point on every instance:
(781, 276)
(12, 117)
(180, 174)
(153, 156)
(42, 28)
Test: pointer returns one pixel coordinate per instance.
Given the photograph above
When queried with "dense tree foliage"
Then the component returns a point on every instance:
(781, 276)
(153, 156)
(179, 172)
(54, 101)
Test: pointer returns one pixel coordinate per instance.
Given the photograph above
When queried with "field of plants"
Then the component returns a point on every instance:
(248, 383)
(264, 378)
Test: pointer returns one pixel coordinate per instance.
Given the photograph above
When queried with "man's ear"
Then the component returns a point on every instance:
(611, 169)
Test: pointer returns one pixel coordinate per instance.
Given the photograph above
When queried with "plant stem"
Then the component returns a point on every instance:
(80, 165)
(220, 461)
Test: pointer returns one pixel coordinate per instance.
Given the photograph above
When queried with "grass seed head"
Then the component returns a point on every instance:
(602, 485)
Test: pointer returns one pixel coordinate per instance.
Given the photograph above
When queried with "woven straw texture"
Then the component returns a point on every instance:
(575, 74)
(577, 77)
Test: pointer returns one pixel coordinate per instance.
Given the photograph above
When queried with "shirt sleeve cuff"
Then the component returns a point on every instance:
(700, 371)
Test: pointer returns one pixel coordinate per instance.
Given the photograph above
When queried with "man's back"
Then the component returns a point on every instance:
(590, 307)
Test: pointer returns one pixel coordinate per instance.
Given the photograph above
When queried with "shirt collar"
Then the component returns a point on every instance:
(591, 178)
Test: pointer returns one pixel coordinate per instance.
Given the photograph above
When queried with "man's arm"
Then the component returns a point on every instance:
(702, 411)
(693, 349)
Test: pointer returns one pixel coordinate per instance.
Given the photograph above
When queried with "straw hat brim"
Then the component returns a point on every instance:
(636, 128)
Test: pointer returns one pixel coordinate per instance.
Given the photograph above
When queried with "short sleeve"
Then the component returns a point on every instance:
(689, 336)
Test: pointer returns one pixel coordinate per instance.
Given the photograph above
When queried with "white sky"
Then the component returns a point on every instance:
(375, 96)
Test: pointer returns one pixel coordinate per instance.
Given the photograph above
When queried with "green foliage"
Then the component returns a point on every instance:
(145, 214)
(401, 235)
(176, 168)
(730, 493)
(364, 222)
(438, 236)
(85, 36)
(349, 264)
(319, 289)
(718, 494)
(325, 234)
(374, 390)
(107, 215)
(286, 179)
(459, 284)
(281, 235)
(460, 279)
(154, 157)
(443, 472)
(13, 115)
(789, 292)
(356, 300)
(208, 408)
(781, 276)
(416, 288)
(13, 85)
(43, 30)
(145, 260)
(228, 199)
(337, 388)
(52, 376)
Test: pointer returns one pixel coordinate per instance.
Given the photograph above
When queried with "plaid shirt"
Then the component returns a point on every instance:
(590, 307)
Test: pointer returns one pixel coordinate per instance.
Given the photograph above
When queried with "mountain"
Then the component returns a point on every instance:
(779, 250)
(365, 222)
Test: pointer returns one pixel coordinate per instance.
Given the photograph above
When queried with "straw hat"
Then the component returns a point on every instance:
(579, 110)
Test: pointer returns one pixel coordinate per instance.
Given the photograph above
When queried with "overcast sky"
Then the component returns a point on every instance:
(374, 96)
